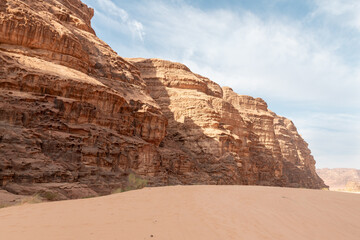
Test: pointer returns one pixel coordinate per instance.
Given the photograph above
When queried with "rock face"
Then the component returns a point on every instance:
(76, 119)
(228, 138)
(340, 178)
(72, 111)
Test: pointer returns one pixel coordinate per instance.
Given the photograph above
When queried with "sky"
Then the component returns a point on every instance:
(302, 57)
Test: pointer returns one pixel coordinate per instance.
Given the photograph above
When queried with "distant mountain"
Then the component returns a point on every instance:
(339, 178)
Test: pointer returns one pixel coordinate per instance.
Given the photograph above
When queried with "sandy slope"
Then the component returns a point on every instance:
(191, 212)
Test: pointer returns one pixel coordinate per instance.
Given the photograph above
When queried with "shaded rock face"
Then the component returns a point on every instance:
(228, 138)
(76, 119)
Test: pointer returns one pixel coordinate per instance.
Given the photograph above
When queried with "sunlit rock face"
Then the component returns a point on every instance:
(76, 118)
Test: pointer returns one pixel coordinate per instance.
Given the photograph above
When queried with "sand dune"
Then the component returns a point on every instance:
(191, 212)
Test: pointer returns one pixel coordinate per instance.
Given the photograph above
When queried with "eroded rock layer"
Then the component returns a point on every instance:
(76, 119)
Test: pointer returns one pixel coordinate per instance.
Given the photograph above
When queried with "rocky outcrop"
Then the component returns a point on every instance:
(340, 178)
(76, 119)
(230, 138)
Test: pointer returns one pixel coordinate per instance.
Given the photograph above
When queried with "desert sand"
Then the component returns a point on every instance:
(191, 212)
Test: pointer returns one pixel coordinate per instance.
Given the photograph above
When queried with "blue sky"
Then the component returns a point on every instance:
(302, 57)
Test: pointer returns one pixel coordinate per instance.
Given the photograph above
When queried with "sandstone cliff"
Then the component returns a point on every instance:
(76, 119)
(230, 138)
(74, 116)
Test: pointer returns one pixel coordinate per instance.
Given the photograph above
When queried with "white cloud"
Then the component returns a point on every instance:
(270, 58)
(112, 11)
(345, 12)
